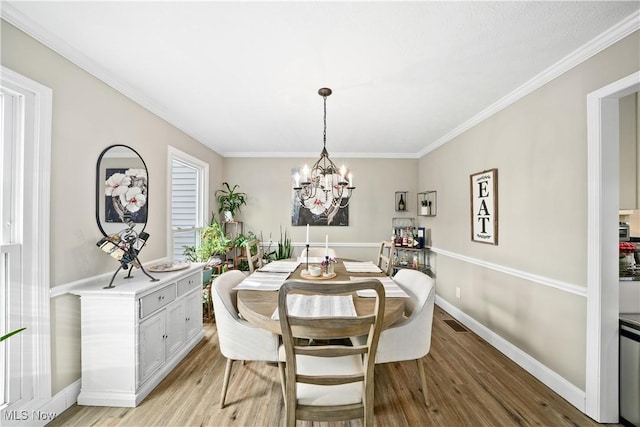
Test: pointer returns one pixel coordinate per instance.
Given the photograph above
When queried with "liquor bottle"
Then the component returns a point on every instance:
(401, 204)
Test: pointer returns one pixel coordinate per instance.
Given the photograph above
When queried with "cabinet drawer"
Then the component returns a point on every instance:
(157, 300)
(189, 283)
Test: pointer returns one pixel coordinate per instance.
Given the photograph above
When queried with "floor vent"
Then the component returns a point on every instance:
(455, 325)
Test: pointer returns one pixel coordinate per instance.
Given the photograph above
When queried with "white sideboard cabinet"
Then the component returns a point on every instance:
(133, 335)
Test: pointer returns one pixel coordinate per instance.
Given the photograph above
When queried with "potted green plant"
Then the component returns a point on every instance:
(214, 245)
(230, 200)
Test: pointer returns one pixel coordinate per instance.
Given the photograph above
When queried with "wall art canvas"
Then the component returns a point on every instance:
(125, 194)
(484, 207)
(312, 211)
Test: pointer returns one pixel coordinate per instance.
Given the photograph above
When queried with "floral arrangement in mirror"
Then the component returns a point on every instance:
(128, 192)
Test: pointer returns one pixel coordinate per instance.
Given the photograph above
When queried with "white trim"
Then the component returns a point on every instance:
(548, 377)
(335, 155)
(49, 409)
(27, 25)
(203, 197)
(601, 384)
(37, 161)
(67, 288)
(552, 283)
(598, 44)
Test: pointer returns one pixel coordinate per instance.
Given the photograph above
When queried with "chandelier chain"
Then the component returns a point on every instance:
(324, 189)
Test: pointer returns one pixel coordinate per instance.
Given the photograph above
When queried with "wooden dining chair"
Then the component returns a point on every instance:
(256, 260)
(325, 380)
(385, 257)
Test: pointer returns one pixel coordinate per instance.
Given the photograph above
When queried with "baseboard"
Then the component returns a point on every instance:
(551, 379)
(40, 412)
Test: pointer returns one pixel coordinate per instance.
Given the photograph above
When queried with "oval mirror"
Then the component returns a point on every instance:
(121, 190)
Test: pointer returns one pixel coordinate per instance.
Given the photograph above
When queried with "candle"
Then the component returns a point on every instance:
(350, 180)
(326, 244)
(307, 234)
(297, 180)
(305, 173)
(342, 172)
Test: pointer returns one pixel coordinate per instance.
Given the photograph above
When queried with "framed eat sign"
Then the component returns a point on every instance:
(484, 207)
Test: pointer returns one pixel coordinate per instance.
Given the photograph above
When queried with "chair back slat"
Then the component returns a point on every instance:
(385, 257)
(256, 260)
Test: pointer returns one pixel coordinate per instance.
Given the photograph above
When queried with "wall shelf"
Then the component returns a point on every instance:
(427, 203)
(401, 201)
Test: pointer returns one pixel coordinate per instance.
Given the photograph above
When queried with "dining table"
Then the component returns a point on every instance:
(258, 306)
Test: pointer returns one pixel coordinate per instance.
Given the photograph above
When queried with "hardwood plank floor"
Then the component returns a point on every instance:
(469, 384)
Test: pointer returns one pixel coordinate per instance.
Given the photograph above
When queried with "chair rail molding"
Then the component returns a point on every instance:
(552, 283)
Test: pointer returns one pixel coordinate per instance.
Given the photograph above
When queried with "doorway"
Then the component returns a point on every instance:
(602, 266)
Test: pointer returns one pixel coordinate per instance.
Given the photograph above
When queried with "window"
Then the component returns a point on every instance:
(25, 143)
(189, 203)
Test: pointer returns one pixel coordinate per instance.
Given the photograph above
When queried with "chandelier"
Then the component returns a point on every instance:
(324, 189)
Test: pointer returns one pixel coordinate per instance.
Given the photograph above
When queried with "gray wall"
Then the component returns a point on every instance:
(539, 145)
(88, 116)
(267, 183)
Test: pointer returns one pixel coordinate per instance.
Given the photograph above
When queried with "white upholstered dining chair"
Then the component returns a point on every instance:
(324, 380)
(318, 253)
(238, 339)
(410, 338)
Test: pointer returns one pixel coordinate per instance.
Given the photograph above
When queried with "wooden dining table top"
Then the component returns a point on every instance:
(257, 306)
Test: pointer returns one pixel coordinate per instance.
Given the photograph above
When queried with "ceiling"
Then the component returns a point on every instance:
(243, 77)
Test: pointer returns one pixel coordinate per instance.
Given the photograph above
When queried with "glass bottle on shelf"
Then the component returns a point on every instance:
(401, 204)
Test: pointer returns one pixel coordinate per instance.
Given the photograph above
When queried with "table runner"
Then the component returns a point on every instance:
(361, 267)
(280, 267)
(262, 282)
(391, 288)
(319, 306)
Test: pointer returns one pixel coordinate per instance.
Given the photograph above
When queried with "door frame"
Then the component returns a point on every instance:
(603, 201)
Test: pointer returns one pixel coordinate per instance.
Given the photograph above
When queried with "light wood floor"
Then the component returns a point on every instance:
(469, 382)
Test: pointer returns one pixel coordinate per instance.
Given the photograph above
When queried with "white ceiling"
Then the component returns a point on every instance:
(242, 77)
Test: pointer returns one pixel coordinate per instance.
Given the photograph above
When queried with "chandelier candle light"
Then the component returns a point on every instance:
(324, 189)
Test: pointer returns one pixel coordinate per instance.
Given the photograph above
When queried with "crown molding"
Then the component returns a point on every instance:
(589, 49)
(578, 56)
(334, 155)
(19, 20)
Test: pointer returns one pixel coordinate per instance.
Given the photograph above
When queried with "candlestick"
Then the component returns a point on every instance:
(326, 244)
(307, 257)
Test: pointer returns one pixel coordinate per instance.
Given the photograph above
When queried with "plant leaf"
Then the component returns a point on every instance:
(10, 334)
